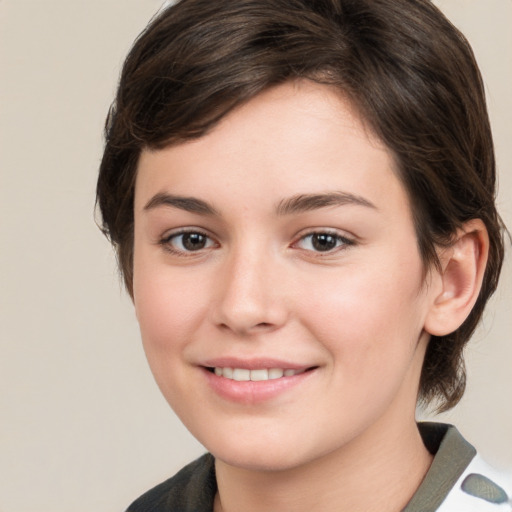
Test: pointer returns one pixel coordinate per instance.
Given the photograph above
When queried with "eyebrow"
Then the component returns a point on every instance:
(307, 202)
(189, 204)
(296, 204)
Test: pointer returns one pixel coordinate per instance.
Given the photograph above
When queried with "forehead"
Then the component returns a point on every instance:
(299, 137)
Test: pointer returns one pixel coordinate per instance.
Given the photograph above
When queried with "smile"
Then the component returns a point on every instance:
(244, 374)
(261, 382)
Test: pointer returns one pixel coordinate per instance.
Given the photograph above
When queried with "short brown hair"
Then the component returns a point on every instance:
(408, 70)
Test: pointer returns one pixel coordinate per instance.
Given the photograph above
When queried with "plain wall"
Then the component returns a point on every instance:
(83, 426)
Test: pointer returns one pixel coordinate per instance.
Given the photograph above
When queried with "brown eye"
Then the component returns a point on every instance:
(323, 242)
(194, 241)
(188, 241)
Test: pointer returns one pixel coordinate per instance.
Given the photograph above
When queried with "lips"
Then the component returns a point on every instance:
(254, 381)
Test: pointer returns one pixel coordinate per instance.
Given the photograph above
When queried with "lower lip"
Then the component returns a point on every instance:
(252, 392)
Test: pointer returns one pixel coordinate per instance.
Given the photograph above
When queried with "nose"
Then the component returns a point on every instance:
(251, 294)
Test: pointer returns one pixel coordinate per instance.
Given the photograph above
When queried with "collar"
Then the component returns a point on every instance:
(452, 454)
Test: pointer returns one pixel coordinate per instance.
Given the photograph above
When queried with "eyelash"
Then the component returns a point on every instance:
(166, 242)
(342, 242)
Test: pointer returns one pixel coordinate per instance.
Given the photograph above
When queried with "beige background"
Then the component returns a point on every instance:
(83, 427)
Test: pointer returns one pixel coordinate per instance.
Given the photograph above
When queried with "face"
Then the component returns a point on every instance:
(277, 281)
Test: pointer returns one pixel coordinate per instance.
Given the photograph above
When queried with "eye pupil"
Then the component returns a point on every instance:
(193, 241)
(323, 241)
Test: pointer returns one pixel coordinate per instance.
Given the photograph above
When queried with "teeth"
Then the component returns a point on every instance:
(259, 374)
(275, 373)
(243, 374)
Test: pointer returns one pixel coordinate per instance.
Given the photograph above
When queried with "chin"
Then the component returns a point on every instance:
(263, 455)
(259, 462)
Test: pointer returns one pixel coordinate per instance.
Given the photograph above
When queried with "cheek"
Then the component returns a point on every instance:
(370, 326)
(168, 308)
(168, 312)
(369, 313)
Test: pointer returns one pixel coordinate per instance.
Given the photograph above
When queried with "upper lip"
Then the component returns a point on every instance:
(253, 363)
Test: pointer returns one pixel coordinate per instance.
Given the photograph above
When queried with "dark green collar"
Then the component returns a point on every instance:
(452, 454)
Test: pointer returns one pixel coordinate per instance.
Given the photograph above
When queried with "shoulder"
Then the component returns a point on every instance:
(458, 479)
(480, 488)
(191, 490)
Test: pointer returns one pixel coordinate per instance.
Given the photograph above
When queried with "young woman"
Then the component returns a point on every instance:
(301, 196)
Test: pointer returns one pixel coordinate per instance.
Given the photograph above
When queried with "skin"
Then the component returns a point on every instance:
(342, 436)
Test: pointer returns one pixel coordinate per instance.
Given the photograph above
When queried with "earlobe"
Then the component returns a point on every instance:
(462, 270)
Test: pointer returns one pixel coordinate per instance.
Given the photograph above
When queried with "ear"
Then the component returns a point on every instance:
(460, 279)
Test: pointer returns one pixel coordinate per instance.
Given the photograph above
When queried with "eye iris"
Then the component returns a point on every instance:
(193, 241)
(323, 241)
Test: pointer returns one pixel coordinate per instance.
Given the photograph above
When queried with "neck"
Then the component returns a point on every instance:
(380, 470)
